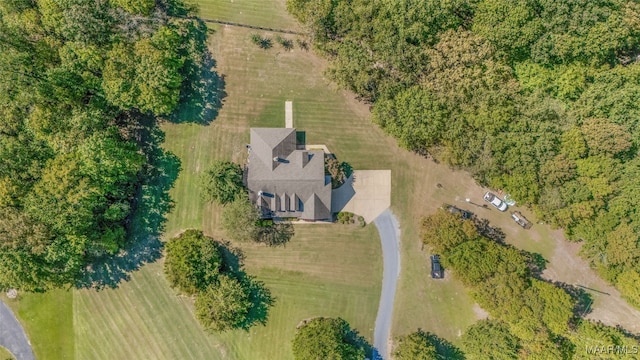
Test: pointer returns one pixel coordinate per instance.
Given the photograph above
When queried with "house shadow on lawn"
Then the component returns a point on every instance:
(341, 196)
(202, 92)
(144, 227)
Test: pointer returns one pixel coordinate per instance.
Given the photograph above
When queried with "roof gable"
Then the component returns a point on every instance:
(314, 208)
(270, 143)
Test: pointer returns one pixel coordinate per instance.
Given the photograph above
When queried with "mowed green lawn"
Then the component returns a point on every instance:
(48, 321)
(5, 354)
(270, 14)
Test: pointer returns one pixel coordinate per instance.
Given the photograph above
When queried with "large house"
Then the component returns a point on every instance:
(284, 179)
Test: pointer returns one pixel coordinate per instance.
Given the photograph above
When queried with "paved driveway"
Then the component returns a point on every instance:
(389, 231)
(366, 193)
(12, 335)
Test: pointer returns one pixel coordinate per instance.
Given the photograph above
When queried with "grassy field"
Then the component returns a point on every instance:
(5, 354)
(48, 320)
(255, 13)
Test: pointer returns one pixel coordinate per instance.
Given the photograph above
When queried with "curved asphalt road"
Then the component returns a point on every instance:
(389, 231)
(12, 335)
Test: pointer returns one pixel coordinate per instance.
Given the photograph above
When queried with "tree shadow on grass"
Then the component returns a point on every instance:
(360, 342)
(582, 299)
(275, 234)
(144, 227)
(485, 229)
(261, 301)
(202, 93)
(259, 295)
(445, 349)
(232, 258)
(536, 262)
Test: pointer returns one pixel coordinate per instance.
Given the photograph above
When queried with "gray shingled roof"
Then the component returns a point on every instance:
(285, 182)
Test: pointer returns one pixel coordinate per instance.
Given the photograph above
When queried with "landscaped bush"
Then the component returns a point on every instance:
(286, 44)
(339, 171)
(264, 222)
(345, 217)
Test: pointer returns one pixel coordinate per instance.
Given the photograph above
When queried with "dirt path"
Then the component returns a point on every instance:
(567, 266)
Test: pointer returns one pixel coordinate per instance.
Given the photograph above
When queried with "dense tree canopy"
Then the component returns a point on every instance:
(490, 339)
(326, 338)
(81, 81)
(530, 318)
(192, 262)
(415, 346)
(225, 296)
(593, 339)
(537, 97)
(224, 305)
(222, 182)
(241, 221)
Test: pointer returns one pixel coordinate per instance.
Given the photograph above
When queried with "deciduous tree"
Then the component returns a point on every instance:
(192, 262)
(222, 182)
(444, 231)
(142, 7)
(415, 346)
(223, 305)
(240, 219)
(628, 284)
(326, 338)
(490, 339)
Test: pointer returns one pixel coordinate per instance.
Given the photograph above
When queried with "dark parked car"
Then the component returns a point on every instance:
(465, 214)
(521, 220)
(436, 268)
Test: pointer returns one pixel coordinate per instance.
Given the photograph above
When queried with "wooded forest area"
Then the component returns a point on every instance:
(536, 97)
(82, 83)
(529, 318)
